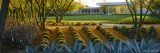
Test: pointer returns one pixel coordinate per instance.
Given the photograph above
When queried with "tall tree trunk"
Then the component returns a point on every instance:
(57, 19)
(3, 14)
(141, 14)
(61, 17)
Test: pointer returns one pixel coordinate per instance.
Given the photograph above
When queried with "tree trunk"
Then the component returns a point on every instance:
(3, 14)
(57, 19)
(141, 14)
(61, 17)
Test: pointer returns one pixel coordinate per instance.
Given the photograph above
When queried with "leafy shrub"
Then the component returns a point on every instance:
(17, 35)
(99, 28)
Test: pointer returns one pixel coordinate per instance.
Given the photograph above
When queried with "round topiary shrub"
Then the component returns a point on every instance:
(111, 38)
(60, 45)
(91, 35)
(59, 33)
(93, 38)
(97, 42)
(61, 42)
(88, 31)
(75, 35)
(85, 28)
(124, 30)
(46, 36)
(116, 28)
(79, 40)
(108, 34)
(74, 32)
(103, 31)
(99, 28)
(60, 38)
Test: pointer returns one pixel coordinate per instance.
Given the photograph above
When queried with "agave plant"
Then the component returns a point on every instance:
(60, 44)
(79, 45)
(117, 47)
(29, 49)
(152, 33)
(95, 47)
(95, 44)
(144, 46)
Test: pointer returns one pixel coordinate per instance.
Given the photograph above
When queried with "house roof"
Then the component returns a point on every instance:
(112, 3)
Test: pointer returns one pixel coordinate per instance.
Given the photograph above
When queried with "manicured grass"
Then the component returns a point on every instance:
(101, 18)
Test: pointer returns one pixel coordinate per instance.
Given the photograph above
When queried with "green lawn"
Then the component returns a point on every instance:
(102, 18)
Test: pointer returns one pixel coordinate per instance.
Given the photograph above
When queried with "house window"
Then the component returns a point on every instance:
(95, 10)
(85, 11)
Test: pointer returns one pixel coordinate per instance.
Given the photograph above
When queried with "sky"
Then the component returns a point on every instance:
(92, 3)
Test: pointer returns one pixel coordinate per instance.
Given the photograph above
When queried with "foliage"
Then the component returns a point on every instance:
(60, 9)
(154, 7)
(15, 37)
(76, 6)
(134, 6)
(142, 32)
(144, 46)
(79, 45)
(60, 44)
(95, 43)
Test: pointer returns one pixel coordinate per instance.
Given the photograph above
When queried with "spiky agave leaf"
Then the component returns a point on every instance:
(91, 48)
(28, 49)
(135, 46)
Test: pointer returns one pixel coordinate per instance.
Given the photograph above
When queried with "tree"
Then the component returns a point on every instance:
(155, 8)
(75, 6)
(3, 14)
(60, 9)
(136, 9)
(104, 8)
(134, 6)
(42, 9)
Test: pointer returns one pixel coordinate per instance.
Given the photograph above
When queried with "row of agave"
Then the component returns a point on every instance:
(95, 43)
(139, 33)
(59, 45)
(132, 46)
(79, 44)
(112, 46)
(115, 45)
(44, 46)
(109, 36)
